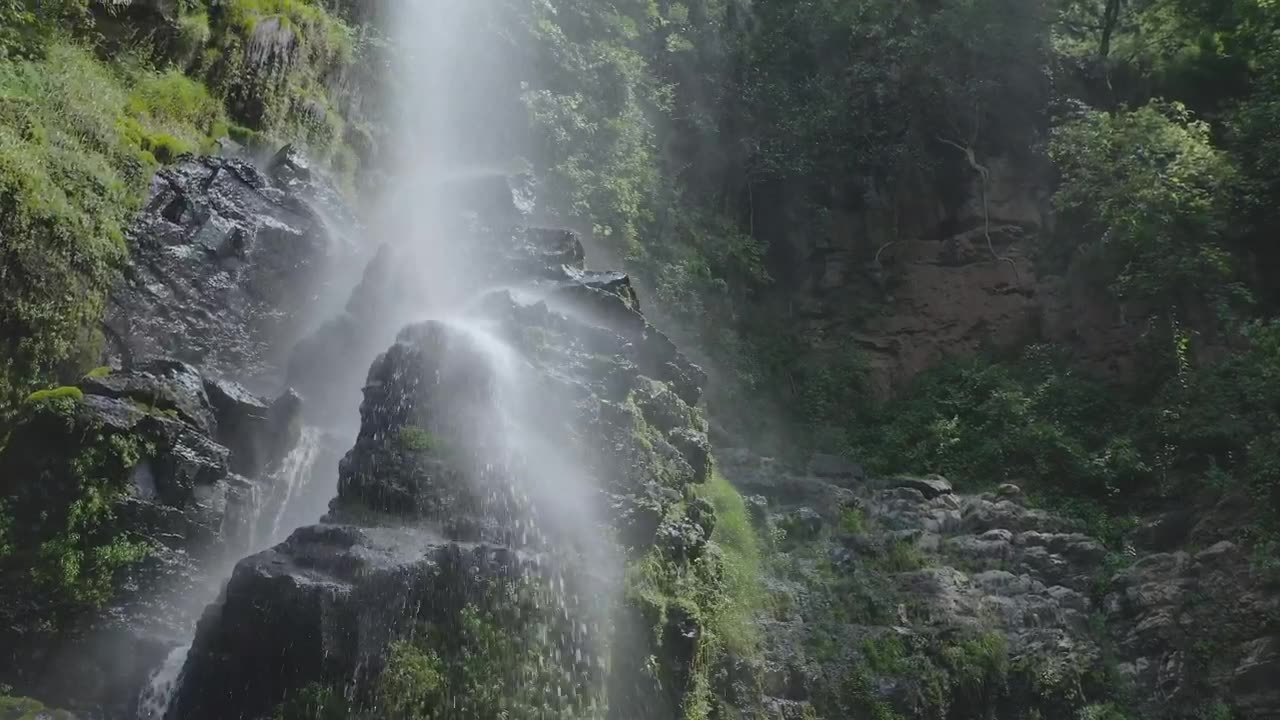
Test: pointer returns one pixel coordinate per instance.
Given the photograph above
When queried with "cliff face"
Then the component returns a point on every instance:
(934, 278)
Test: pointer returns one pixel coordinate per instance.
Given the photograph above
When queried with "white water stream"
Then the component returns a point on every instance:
(154, 700)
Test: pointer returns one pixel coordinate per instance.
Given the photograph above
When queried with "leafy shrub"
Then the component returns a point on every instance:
(64, 548)
(412, 684)
(852, 522)
(1032, 422)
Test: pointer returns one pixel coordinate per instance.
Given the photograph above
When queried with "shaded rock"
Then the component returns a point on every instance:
(931, 486)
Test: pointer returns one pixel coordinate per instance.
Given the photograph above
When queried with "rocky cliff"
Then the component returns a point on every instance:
(899, 597)
(134, 491)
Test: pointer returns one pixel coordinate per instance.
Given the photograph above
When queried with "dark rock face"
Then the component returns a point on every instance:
(177, 490)
(226, 263)
(525, 428)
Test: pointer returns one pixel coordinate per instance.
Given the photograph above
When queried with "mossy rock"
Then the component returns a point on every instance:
(12, 708)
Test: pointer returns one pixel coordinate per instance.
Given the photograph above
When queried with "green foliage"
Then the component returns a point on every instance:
(281, 94)
(416, 440)
(170, 114)
(26, 27)
(1150, 192)
(899, 557)
(314, 702)
(64, 549)
(1103, 711)
(1033, 422)
(977, 667)
(493, 661)
(1219, 421)
(68, 185)
(412, 684)
(852, 522)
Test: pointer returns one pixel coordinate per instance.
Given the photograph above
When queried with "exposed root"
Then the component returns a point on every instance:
(985, 174)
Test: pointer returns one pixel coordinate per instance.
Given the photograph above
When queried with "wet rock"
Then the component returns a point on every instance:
(225, 266)
(801, 524)
(258, 433)
(324, 606)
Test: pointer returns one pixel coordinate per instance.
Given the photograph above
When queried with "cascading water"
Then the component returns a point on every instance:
(155, 698)
(290, 484)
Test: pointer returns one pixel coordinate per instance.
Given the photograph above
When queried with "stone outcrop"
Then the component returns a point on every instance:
(160, 457)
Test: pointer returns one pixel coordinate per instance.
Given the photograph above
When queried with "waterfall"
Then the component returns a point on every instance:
(291, 481)
(154, 700)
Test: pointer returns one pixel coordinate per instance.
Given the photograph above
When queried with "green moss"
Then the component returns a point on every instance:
(734, 621)
(291, 100)
(12, 708)
(416, 440)
(62, 393)
(99, 372)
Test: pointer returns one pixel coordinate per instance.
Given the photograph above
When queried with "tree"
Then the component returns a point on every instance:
(1144, 193)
